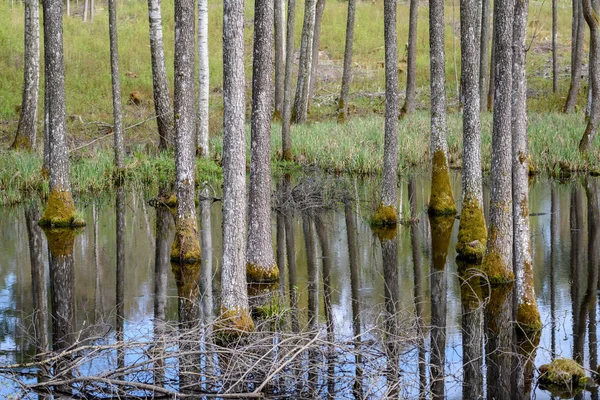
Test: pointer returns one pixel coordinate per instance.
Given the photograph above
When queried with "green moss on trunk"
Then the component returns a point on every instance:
(385, 232)
(21, 142)
(260, 274)
(496, 270)
(60, 211)
(287, 155)
(232, 325)
(186, 246)
(441, 201)
(60, 241)
(472, 232)
(384, 216)
(528, 318)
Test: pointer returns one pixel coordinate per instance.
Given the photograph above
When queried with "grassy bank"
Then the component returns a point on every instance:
(354, 148)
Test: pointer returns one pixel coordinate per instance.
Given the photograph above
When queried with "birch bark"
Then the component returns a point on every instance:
(300, 110)
(203, 78)
(347, 72)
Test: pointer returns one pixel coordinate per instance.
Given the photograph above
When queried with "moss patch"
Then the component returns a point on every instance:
(232, 325)
(472, 232)
(496, 270)
(441, 201)
(385, 232)
(258, 273)
(186, 246)
(528, 318)
(60, 241)
(287, 155)
(384, 216)
(60, 211)
(441, 231)
(562, 376)
(21, 142)
(187, 277)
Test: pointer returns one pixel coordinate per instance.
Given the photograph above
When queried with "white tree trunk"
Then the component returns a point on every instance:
(304, 65)
(203, 78)
(116, 86)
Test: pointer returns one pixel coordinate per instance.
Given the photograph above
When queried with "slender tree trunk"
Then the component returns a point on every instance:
(161, 271)
(203, 78)
(498, 258)
(577, 39)
(492, 82)
(592, 126)
(120, 271)
(85, 10)
(60, 210)
(300, 110)
(472, 232)
(25, 139)
(68, 8)
(260, 260)
(160, 86)
(315, 50)
(554, 46)
(411, 61)
(46, 165)
(286, 138)
(279, 22)
(442, 199)
(92, 9)
(116, 87)
(527, 313)
(484, 55)
(207, 259)
(386, 214)
(234, 299)
(347, 71)
(186, 245)
(326, 263)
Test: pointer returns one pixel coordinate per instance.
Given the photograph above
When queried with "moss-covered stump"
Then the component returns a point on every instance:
(385, 216)
(528, 318)
(472, 232)
(441, 201)
(60, 211)
(261, 274)
(563, 377)
(186, 245)
(60, 241)
(232, 325)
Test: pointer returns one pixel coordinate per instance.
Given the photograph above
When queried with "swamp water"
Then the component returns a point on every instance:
(355, 315)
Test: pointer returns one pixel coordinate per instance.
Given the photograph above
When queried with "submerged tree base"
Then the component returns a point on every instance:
(494, 267)
(60, 241)
(563, 377)
(384, 216)
(232, 325)
(261, 274)
(385, 232)
(442, 199)
(60, 211)
(186, 246)
(528, 318)
(472, 232)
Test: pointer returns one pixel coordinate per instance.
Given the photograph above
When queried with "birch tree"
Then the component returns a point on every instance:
(116, 88)
(160, 86)
(347, 71)
(411, 60)
(472, 232)
(286, 139)
(279, 24)
(594, 118)
(528, 316)
(260, 260)
(203, 78)
(25, 138)
(441, 201)
(484, 55)
(300, 110)
(577, 38)
(186, 245)
(320, 8)
(386, 213)
(497, 263)
(60, 210)
(234, 314)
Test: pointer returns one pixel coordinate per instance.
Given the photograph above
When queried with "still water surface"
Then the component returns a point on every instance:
(350, 293)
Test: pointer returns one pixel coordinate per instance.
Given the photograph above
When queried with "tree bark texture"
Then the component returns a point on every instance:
(577, 39)
(186, 246)
(347, 71)
(286, 139)
(203, 78)
(389, 184)
(484, 55)
(207, 260)
(315, 50)
(234, 298)
(311, 270)
(60, 209)
(527, 312)
(554, 46)
(300, 110)
(116, 86)
(492, 80)
(442, 199)
(594, 118)
(25, 139)
(260, 260)
(160, 86)
(498, 257)
(472, 233)
(279, 24)
(326, 264)
(411, 61)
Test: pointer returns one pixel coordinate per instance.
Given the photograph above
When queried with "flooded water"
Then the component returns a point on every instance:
(396, 315)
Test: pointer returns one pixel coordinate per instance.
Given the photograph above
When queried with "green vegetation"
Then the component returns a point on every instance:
(563, 376)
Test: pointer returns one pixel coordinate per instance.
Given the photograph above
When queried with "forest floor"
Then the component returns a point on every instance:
(355, 147)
